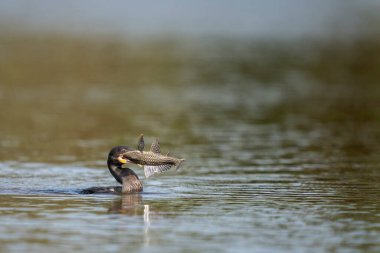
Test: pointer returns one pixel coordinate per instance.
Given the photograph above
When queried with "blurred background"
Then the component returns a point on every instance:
(76, 75)
(274, 104)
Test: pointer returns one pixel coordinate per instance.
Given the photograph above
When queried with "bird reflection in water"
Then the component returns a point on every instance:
(132, 205)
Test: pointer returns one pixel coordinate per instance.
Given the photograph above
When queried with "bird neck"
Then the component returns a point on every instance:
(115, 170)
(127, 177)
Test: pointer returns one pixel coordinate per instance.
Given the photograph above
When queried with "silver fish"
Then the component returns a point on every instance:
(152, 161)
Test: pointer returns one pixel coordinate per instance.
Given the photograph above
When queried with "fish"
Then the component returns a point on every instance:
(152, 161)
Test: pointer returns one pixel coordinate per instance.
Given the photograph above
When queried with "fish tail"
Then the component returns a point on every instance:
(178, 164)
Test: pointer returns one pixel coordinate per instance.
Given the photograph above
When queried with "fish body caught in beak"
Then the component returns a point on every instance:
(152, 161)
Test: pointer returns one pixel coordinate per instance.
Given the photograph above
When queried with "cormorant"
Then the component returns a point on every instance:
(125, 176)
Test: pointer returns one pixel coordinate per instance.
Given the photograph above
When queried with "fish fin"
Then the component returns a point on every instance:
(178, 164)
(155, 148)
(151, 170)
(140, 143)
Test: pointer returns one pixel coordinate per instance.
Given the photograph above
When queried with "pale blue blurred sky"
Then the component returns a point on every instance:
(252, 18)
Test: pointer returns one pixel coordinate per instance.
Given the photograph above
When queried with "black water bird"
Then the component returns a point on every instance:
(125, 176)
(152, 161)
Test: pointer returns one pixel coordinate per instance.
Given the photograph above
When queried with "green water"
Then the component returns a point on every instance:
(286, 163)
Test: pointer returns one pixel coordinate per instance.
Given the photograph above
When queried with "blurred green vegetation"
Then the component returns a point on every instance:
(78, 92)
(63, 59)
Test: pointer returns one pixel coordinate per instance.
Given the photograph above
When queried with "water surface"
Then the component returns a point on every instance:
(289, 166)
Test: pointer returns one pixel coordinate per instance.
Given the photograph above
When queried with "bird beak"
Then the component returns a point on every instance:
(122, 160)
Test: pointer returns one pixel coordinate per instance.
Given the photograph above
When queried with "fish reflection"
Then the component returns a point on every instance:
(146, 225)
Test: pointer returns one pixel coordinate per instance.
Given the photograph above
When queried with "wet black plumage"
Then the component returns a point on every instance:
(125, 176)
